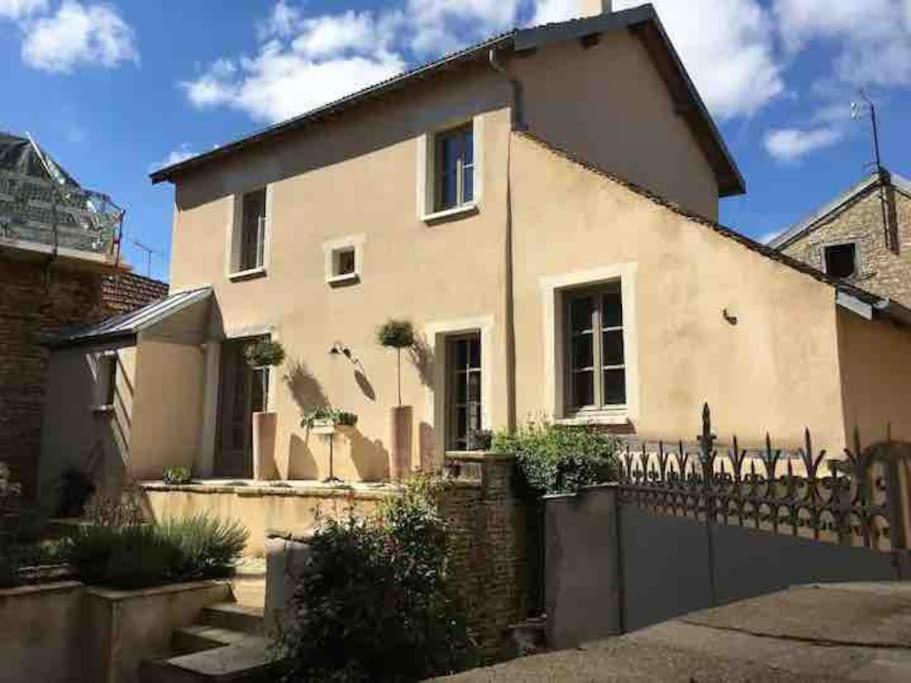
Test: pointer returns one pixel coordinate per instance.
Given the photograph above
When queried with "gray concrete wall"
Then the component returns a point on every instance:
(612, 567)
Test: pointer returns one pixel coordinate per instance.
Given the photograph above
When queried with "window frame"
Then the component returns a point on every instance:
(331, 252)
(440, 172)
(834, 245)
(599, 366)
(428, 162)
(453, 373)
(236, 269)
(106, 373)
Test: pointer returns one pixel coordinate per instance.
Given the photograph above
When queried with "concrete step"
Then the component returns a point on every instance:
(199, 637)
(250, 660)
(233, 617)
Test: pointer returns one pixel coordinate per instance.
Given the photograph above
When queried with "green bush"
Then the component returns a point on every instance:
(558, 459)
(141, 555)
(374, 602)
(176, 476)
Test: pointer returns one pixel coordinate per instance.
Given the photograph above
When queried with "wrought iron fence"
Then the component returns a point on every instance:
(850, 499)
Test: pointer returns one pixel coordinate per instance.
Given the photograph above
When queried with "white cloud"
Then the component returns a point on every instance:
(20, 9)
(175, 156)
(728, 49)
(791, 144)
(547, 11)
(78, 35)
(438, 26)
(305, 63)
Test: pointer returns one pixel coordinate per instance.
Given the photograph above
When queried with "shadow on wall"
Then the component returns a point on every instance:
(305, 388)
(301, 461)
(369, 457)
(422, 358)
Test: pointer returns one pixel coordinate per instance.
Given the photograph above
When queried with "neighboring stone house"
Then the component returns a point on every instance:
(542, 207)
(862, 236)
(58, 269)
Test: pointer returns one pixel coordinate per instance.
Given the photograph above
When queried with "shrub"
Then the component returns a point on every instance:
(374, 602)
(115, 510)
(141, 555)
(264, 353)
(557, 459)
(176, 476)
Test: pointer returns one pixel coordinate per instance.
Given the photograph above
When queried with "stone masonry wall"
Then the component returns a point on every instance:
(489, 546)
(33, 305)
(881, 271)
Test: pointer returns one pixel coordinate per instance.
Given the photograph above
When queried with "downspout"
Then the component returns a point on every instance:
(517, 122)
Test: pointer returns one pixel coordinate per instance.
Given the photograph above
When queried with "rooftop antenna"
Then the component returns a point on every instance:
(148, 252)
(858, 111)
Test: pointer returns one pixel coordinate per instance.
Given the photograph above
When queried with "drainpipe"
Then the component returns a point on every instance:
(517, 123)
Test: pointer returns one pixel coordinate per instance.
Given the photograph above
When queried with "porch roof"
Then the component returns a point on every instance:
(124, 327)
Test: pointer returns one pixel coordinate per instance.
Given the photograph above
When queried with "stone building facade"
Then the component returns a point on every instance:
(852, 225)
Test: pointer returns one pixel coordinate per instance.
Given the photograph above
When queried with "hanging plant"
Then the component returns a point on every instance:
(322, 415)
(264, 353)
(398, 335)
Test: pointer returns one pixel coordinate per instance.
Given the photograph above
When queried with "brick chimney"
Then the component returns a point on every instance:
(592, 8)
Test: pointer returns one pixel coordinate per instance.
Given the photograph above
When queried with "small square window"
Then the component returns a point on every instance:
(841, 260)
(344, 262)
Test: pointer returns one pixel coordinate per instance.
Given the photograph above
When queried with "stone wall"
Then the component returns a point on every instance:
(34, 304)
(881, 270)
(489, 547)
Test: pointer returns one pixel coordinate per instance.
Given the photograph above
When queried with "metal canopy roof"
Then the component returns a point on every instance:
(643, 21)
(126, 326)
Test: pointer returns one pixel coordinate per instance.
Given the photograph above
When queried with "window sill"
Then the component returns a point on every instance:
(612, 418)
(250, 274)
(103, 410)
(456, 212)
(347, 278)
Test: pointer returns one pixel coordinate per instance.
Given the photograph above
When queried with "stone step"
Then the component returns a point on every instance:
(233, 617)
(199, 637)
(250, 660)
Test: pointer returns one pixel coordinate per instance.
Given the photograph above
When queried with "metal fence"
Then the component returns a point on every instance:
(854, 499)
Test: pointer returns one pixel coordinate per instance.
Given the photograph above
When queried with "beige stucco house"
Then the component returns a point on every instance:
(542, 207)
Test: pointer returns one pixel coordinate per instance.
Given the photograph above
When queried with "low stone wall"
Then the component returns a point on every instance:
(489, 546)
(263, 508)
(66, 631)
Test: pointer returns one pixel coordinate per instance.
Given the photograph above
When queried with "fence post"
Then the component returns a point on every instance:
(707, 448)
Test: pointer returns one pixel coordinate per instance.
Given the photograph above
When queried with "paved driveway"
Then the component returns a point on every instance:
(834, 632)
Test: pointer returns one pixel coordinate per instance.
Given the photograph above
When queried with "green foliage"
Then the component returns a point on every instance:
(176, 476)
(323, 413)
(557, 459)
(396, 334)
(140, 555)
(124, 509)
(264, 353)
(374, 602)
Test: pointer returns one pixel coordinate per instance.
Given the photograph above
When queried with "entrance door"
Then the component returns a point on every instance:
(463, 360)
(240, 393)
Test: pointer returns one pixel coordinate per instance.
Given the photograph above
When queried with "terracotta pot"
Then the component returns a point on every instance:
(400, 440)
(264, 467)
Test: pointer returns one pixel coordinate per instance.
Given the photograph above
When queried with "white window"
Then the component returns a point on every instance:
(249, 233)
(106, 380)
(343, 259)
(595, 362)
(449, 171)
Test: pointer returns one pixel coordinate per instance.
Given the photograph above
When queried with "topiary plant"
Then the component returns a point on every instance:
(398, 335)
(264, 353)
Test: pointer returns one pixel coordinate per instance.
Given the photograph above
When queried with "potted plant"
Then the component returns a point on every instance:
(326, 421)
(398, 335)
(262, 355)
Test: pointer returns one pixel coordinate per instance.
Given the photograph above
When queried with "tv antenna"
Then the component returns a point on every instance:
(148, 252)
(860, 110)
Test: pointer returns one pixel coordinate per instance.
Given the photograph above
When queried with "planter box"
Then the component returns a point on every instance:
(323, 427)
(132, 626)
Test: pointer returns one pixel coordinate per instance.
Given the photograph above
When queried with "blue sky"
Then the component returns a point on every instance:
(112, 89)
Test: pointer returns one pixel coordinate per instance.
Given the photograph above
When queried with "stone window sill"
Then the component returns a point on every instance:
(453, 213)
(601, 418)
(250, 274)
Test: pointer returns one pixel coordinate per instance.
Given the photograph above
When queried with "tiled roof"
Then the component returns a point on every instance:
(125, 292)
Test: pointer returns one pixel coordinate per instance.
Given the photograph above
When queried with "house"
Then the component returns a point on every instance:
(542, 206)
(863, 236)
(58, 268)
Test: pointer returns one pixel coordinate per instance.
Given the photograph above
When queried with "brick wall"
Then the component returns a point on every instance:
(33, 306)
(489, 545)
(881, 271)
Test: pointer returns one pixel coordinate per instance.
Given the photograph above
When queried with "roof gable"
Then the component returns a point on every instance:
(643, 21)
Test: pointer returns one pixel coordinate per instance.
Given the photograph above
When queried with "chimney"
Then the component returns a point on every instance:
(592, 8)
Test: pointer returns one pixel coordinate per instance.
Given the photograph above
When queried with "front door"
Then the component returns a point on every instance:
(240, 393)
(463, 360)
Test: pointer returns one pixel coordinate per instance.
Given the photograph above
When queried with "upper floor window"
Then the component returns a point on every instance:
(249, 243)
(454, 177)
(595, 363)
(841, 260)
